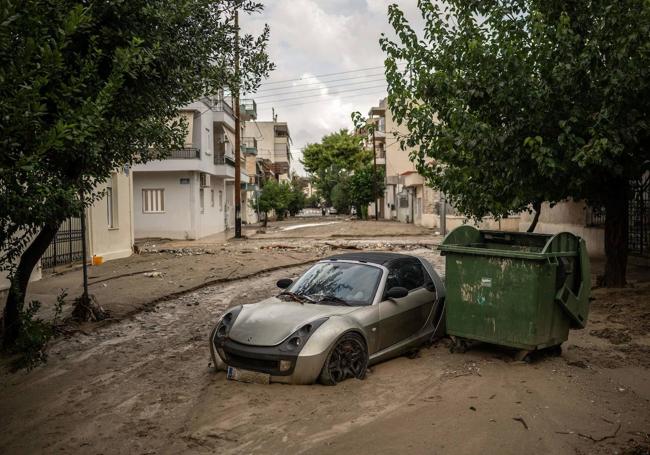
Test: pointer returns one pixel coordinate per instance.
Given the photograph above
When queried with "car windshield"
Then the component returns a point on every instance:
(339, 283)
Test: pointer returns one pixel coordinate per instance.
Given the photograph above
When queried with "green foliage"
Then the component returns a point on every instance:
(515, 102)
(363, 183)
(341, 196)
(332, 163)
(88, 87)
(336, 156)
(35, 335)
(313, 201)
(276, 197)
(297, 198)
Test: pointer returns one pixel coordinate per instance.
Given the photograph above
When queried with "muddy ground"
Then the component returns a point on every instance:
(145, 386)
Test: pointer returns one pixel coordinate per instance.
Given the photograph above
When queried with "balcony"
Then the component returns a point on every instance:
(186, 153)
(221, 105)
(248, 110)
(249, 145)
(224, 158)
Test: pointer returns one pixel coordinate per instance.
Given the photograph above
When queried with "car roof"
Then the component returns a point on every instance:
(373, 257)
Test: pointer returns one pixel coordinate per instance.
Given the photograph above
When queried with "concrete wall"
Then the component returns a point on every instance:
(569, 216)
(265, 134)
(183, 217)
(117, 241)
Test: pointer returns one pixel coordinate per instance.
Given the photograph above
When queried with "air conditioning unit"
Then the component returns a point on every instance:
(204, 180)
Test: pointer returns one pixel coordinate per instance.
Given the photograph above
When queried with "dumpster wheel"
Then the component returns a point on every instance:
(458, 345)
(524, 355)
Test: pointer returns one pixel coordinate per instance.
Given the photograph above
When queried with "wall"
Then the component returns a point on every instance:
(212, 219)
(177, 220)
(265, 134)
(569, 216)
(116, 242)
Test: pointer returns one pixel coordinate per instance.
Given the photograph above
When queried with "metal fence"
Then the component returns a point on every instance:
(66, 248)
(187, 153)
(639, 221)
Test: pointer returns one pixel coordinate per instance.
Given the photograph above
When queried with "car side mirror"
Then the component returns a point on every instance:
(397, 292)
(284, 283)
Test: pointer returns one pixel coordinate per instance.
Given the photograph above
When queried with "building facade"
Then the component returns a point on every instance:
(191, 194)
(273, 142)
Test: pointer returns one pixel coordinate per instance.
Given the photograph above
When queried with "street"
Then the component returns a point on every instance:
(145, 385)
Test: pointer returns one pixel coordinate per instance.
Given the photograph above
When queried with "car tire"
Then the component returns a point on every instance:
(348, 358)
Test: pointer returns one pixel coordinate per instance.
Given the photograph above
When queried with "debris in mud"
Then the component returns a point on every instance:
(153, 274)
(578, 363)
(614, 336)
(523, 422)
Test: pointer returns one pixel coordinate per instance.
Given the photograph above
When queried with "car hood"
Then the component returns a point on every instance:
(271, 321)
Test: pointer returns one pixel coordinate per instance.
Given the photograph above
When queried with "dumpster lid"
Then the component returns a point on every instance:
(470, 240)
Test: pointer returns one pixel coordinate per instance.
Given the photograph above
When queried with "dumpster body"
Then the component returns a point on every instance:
(519, 290)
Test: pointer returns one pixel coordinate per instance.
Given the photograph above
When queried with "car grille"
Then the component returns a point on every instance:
(265, 366)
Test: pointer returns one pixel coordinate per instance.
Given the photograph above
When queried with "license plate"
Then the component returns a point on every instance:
(253, 377)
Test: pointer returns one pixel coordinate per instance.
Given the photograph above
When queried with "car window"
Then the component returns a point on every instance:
(408, 274)
(354, 283)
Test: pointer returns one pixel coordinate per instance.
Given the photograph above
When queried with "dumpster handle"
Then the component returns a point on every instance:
(552, 260)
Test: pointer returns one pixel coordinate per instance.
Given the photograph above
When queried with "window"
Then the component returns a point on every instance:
(220, 200)
(211, 198)
(109, 207)
(408, 274)
(202, 199)
(153, 201)
(111, 202)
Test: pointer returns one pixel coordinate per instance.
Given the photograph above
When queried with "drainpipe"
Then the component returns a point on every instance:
(443, 214)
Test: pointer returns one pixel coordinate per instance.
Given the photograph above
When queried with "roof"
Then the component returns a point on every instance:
(373, 257)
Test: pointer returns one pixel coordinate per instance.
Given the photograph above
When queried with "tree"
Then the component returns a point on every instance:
(87, 87)
(362, 187)
(274, 196)
(296, 196)
(337, 155)
(511, 103)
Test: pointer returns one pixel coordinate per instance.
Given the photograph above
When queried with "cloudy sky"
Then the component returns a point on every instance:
(328, 61)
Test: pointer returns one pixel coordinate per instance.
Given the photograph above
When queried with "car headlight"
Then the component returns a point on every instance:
(225, 323)
(295, 342)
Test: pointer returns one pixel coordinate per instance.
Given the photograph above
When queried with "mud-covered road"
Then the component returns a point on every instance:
(145, 386)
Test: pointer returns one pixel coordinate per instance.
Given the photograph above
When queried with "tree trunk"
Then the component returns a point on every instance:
(266, 218)
(537, 206)
(19, 282)
(616, 233)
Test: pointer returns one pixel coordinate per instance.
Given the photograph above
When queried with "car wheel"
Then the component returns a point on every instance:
(347, 359)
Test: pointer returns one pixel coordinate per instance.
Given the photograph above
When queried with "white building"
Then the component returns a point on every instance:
(109, 230)
(191, 194)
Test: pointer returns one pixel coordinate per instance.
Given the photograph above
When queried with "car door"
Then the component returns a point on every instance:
(401, 318)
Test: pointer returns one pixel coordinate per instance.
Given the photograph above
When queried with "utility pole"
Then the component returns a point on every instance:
(237, 135)
(374, 179)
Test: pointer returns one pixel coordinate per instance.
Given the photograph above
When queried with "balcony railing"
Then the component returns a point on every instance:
(186, 153)
(224, 158)
(249, 145)
(221, 105)
(248, 109)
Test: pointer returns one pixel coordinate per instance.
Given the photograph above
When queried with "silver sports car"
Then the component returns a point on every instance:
(344, 313)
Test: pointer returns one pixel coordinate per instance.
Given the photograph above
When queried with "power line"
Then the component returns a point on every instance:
(317, 82)
(322, 75)
(348, 84)
(312, 96)
(328, 100)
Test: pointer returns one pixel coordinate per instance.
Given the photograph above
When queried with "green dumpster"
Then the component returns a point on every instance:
(515, 289)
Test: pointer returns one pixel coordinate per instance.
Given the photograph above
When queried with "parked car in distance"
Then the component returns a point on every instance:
(346, 312)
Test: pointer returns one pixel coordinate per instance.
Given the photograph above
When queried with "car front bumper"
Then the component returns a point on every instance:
(304, 368)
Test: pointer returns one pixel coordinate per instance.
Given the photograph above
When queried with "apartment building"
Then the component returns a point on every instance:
(191, 194)
(406, 198)
(273, 142)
